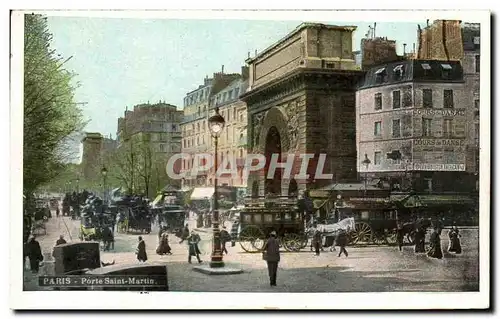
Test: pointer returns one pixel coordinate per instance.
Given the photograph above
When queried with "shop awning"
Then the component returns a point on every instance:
(202, 193)
(433, 200)
(438, 200)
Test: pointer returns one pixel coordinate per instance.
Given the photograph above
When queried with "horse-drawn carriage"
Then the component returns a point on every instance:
(261, 216)
(95, 219)
(168, 209)
(377, 217)
(133, 215)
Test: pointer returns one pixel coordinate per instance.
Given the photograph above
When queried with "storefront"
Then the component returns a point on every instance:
(460, 209)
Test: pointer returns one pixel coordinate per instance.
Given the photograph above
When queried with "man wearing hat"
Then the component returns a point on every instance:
(60, 241)
(271, 254)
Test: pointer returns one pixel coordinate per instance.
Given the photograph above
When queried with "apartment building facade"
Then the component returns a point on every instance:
(196, 137)
(455, 40)
(150, 133)
(418, 110)
(232, 144)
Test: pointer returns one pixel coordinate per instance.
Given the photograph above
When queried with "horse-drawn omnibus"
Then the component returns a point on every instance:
(260, 216)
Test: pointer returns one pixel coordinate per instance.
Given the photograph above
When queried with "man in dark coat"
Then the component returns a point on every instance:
(185, 234)
(141, 251)
(435, 244)
(107, 237)
(271, 254)
(224, 238)
(342, 242)
(34, 253)
(60, 241)
(400, 235)
(420, 239)
(316, 241)
(193, 241)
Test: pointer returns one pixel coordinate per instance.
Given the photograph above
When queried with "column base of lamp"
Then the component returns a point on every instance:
(216, 264)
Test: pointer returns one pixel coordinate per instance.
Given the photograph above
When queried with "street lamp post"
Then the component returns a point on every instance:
(216, 124)
(77, 196)
(104, 173)
(366, 162)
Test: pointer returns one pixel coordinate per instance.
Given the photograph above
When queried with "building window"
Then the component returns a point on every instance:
(377, 129)
(447, 127)
(476, 133)
(330, 65)
(407, 98)
(377, 158)
(426, 127)
(477, 63)
(407, 126)
(427, 98)
(378, 101)
(398, 72)
(396, 99)
(448, 99)
(396, 128)
(450, 156)
(446, 71)
(476, 103)
(427, 184)
(380, 76)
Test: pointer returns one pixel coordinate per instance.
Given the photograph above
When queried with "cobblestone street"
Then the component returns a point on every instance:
(372, 268)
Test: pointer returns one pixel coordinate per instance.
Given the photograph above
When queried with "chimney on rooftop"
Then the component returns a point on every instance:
(404, 49)
(255, 52)
(222, 68)
(249, 54)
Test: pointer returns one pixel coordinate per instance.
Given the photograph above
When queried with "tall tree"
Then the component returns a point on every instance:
(50, 114)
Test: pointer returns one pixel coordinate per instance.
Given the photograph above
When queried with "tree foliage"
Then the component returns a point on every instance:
(50, 114)
(138, 168)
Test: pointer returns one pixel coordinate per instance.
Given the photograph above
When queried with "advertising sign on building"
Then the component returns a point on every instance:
(439, 142)
(442, 112)
(438, 167)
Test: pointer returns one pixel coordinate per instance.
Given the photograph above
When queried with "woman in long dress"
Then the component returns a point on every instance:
(435, 244)
(454, 237)
(164, 247)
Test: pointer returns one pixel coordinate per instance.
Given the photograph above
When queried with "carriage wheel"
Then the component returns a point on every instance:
(292, 242)
(380, 238)
(304, 241)
(362, 233)
(410, 238)
(251, 239)
(392, 237)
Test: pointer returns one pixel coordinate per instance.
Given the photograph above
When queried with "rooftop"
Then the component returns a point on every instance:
(298, 29)
(412, 70)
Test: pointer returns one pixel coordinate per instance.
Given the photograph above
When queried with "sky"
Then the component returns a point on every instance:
(121, 62)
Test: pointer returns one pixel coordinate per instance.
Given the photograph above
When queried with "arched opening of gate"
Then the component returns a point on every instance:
(272, 184)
